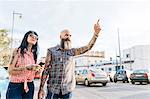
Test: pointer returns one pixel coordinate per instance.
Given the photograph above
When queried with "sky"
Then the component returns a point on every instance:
(49, 17)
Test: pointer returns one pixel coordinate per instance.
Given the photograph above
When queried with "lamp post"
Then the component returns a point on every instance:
(119, 48)
(116, 67)
(130, 60)
(12, 30)
(13, 21)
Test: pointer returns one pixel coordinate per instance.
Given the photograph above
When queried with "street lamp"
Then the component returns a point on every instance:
(130, 60)
(12, 30)
(13, 21)
(119, 48)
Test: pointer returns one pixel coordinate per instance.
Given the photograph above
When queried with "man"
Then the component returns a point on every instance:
(59, 66)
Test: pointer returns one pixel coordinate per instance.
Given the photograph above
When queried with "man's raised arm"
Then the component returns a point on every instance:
(84, 49)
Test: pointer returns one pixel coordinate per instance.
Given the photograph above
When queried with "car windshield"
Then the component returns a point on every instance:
(3, 73)
(141, 71)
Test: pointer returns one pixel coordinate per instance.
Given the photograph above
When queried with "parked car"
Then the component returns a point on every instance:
(111, 75)
(140, 75)
(92, 75)
(38, 76)
(122, 75)
(3, 79)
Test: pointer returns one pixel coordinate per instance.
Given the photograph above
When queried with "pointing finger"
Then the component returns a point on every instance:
(98, 21)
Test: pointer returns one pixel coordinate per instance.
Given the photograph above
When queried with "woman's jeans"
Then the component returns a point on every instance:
(51, 95)
(16, 91)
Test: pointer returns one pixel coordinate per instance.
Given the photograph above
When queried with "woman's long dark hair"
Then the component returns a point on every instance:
(24, 45)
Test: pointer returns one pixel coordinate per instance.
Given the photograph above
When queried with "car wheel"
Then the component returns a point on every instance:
(123, 81)
(86, 82)
(127, 81)
(111, 80)
(115, 80)
(140, 82)
(148, 82)
(76, 82)
(133, 82)
(104, 84)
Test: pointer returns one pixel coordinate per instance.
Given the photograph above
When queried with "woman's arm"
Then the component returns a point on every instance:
(17, 70)
(11, 68)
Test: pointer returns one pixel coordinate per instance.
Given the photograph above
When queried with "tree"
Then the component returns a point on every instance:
(4, 39)
(4, 47)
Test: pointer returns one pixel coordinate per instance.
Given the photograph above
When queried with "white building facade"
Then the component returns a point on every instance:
(88, 59)
(137, 57)
(133, 58)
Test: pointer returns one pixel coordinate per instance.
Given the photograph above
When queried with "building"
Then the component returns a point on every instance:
(132, 58)
(137, 57)
(90, 58)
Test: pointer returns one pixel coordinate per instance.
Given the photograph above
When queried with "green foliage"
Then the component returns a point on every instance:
(4, 47)
(4, 39)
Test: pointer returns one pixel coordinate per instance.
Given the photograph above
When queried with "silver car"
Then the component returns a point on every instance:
(93, 75)
(3, 80)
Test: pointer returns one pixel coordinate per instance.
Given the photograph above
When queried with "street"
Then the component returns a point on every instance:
(112, 91)
(117, 90)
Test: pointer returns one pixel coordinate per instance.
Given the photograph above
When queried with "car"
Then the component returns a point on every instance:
(38, 76)
(111, 75)
(122, 75)
(90, 76)
(140, 75)
(3, 79)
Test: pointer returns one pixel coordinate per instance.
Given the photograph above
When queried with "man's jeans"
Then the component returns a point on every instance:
(58, 96)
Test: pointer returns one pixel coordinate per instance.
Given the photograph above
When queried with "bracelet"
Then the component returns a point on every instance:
(28, 68)
(95, 35)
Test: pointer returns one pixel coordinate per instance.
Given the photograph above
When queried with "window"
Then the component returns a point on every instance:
(109, 69)
(84, 72)
(127, 55)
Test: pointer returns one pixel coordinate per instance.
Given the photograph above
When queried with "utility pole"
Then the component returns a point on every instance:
(116, 67)
(119, 48)
(12, 30)
(13, 21)
(130, 60)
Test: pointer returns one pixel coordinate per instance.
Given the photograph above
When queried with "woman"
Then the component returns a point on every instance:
(22, 68)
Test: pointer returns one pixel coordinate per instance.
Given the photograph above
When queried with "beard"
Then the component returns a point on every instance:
(66, 44)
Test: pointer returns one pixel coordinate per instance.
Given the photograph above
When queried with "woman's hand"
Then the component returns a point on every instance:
(34, 67)
(37, 67)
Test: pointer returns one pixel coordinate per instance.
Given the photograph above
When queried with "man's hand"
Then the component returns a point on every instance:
(97, 28)
(41, 94)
